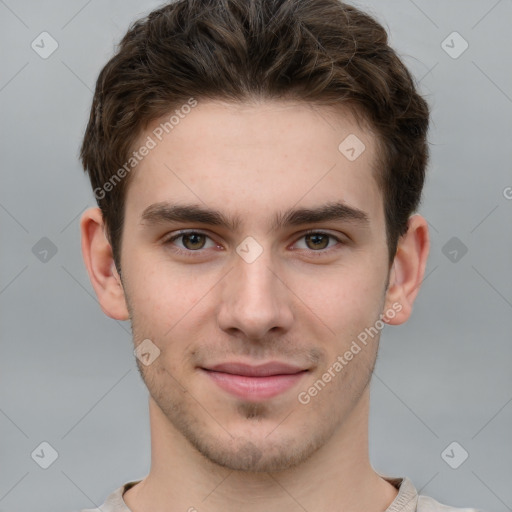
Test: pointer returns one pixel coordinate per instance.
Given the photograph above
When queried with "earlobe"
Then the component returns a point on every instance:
(407, 271)
(99, 261)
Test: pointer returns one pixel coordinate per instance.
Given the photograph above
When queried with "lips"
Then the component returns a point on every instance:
(263, 370)
(255, 383)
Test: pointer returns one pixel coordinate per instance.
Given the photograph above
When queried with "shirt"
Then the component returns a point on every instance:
(407, 500)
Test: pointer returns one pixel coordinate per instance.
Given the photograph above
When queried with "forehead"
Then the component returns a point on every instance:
(249, 159)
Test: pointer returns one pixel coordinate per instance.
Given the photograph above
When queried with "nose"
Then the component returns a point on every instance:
(255, 299)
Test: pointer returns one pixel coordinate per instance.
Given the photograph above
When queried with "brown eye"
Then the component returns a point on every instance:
(317, 240)
(189, 242)
(193, 241)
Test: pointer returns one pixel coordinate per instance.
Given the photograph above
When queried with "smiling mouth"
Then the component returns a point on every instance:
(255, 383)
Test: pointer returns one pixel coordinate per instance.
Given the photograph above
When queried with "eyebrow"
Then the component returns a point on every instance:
(165, 212)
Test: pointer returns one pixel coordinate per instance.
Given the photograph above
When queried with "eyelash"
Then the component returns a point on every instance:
(192, 254)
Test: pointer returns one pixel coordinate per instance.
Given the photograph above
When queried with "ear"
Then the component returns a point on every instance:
(99, 261)
(407, 270)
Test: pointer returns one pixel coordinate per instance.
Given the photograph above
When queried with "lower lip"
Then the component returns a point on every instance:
(254, 388)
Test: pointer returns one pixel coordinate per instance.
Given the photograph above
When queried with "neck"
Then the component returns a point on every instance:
(338, 476)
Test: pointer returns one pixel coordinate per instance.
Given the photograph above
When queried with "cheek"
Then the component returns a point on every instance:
(161, 290)
(343, 298)
(170, 307)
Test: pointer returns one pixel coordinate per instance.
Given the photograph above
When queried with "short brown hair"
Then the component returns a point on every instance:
(323, 52)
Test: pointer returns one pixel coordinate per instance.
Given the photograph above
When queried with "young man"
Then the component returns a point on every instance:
(257, 166)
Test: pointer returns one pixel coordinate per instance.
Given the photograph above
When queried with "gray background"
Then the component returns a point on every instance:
(68, 375)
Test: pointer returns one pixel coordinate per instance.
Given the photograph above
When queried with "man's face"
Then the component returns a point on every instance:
(261, 291)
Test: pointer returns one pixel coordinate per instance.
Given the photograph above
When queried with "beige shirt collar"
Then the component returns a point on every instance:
(405, 501)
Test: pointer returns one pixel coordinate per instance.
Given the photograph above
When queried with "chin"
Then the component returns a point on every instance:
(249, 457)
(263, 450)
